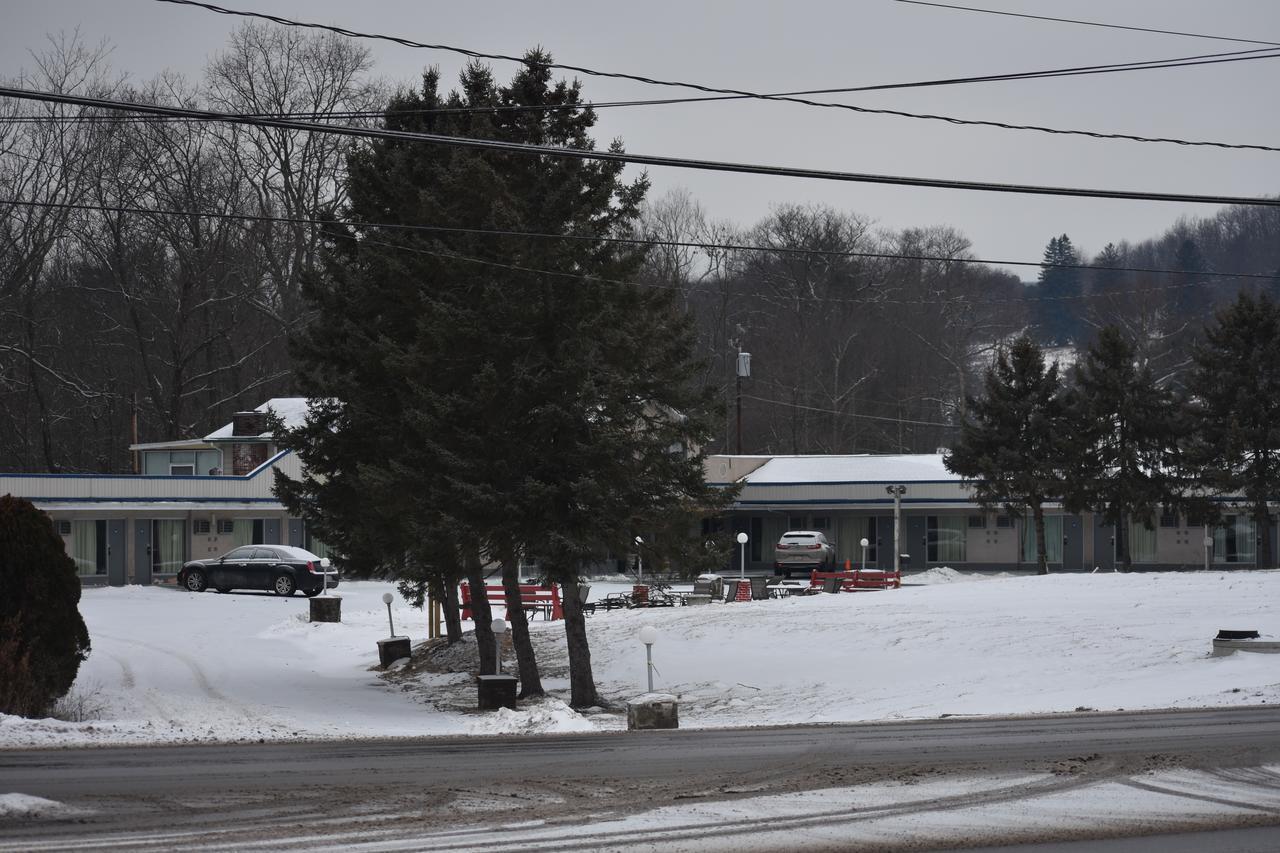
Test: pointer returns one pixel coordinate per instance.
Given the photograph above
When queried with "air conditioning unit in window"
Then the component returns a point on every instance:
(63, 527)
(226, 525)
(200, 526)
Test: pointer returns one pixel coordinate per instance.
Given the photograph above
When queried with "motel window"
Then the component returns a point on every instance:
(1004, 520)
(1234, 541)
(821, 522)
(89, 547)
(946, 539)
(797, 522)
(1168, 517)
(168, 545)
(978, 522)
(1052, 539)
(1142, 543)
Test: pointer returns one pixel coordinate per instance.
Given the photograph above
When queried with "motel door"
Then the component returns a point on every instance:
(115, 551)
(142, 551)
(1072, 543)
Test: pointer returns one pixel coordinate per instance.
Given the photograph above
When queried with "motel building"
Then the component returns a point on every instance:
(202, 497)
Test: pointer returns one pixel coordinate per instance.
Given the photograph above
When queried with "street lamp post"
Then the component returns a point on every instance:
(864, 542)
(742, 546)
(649, 636)
(639, 561)
(386, 599)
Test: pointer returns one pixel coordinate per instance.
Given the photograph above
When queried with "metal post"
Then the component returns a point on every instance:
(648, 654)
(897, 492)
(1208, 547)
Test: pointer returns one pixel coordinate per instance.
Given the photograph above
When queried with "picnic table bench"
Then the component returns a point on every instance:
(534, 600)
(850, 580)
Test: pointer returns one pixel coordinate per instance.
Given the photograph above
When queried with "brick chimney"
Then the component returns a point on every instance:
(248, 455)
(249, 423)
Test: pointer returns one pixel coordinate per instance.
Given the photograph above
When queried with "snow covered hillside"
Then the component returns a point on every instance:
(172, 666)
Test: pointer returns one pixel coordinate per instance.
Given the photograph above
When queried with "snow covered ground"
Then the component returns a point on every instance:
(171, 667)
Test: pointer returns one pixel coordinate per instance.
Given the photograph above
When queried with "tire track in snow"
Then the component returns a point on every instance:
(198, 675)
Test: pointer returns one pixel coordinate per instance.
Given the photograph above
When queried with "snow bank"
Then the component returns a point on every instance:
(24, 805)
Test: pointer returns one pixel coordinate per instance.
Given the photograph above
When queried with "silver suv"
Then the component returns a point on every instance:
(804, 550)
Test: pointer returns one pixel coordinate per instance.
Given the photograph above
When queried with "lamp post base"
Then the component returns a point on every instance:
(496, 691)
(653, 711)
(392, 649)
(326, 608)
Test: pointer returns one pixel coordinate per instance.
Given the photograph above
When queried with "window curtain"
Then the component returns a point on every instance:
(774, 527)
(168, 545)
(84, 546)
(241, 532)
(315, 546)
(1052, 538)
(1235, 541)
(1142, 543)
(947, 538)
(849, 531)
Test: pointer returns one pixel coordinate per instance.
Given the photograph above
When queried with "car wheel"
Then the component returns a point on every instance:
(196, 581)
(283, 585)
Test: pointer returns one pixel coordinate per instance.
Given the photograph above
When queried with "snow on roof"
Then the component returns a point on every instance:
(291, 410)
(861, 468)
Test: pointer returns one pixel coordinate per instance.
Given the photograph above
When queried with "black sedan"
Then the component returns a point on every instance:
(279, 568)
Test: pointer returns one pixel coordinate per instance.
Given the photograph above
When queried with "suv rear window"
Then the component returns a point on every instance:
(801, 537)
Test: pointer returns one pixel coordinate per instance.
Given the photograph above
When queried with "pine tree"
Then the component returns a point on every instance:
(520, 396)
(1121, 439)
(1234, 407)
(1059, 306)
(1011, 443)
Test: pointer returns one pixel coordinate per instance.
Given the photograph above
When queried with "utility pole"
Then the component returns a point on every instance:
(897, 492)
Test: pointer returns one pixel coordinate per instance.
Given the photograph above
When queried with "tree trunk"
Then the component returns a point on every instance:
(530, 680)
(1122, 536)
(582, 684)
(482, 616)
(1262, 529)
(1042, 558)
(450, 607)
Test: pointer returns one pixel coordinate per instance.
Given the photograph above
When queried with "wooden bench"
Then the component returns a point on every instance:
(533, 600)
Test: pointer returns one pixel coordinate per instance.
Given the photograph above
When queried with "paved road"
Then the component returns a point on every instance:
(463, 793)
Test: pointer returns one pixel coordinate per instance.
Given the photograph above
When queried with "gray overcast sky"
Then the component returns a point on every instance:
(810, 44)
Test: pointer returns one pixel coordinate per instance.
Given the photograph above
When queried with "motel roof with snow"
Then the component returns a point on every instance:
(201, 497)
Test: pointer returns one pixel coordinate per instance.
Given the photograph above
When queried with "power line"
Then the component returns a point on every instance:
(849, 414)
(1072, 71)
(1070, 21)
(643, 159)
(647, 242)
(739, 93)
